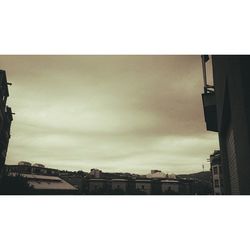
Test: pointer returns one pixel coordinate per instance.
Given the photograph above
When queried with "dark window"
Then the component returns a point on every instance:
(216, 183)
(215, 170)
(142, 186)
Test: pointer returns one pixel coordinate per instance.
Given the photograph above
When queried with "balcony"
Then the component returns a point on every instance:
(210, 113)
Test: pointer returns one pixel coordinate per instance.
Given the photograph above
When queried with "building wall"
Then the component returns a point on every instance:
(96, 185)
(231, 80)
(168, 186)
(143, 186)
(119, 185)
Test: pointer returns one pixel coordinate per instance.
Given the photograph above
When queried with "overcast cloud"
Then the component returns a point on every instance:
(116, 113)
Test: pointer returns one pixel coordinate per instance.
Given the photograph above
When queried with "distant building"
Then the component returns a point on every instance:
(43, 180)
(156, 174)
(226, 106)
(120, 185)
(170, 186)
(143, 186)
(5, 118)
(216, 171)
(172, 176)
(95, 173)
(44, 184)
(25, 167)
(24, 163)
(97, 186)
(38, 165)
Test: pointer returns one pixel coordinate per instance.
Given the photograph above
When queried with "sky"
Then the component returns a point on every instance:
(115, 113)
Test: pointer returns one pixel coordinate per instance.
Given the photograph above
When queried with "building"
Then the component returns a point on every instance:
(97, 186)
(170, 186)
(120, 185)
(42, 180)
(156, 174)
(25, 167)
(143, 186)
(226, 106)
(172, 176)
(5, 119)
(216, 172)
(44, 184)
(75, 180)
(95, 173)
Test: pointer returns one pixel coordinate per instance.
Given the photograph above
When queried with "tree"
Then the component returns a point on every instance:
(14, 185)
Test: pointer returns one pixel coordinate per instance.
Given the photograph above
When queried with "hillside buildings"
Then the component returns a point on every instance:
(45, 180)
(155, 183)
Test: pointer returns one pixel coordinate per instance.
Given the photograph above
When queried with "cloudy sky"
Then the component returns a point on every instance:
(116, 113)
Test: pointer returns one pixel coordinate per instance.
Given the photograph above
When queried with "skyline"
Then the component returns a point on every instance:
(116, 113)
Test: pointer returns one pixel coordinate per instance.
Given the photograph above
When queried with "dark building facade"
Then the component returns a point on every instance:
(227, 111)
(5, 118)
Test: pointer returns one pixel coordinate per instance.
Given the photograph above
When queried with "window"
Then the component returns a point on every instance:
(142, 186)
(216, 183)
(215, 170)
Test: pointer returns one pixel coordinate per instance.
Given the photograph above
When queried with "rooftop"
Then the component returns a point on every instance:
(42, 182)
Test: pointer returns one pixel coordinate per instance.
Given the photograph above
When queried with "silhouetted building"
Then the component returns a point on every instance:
(25, 167)
(217, 174)
(227, 111)
(42, 180)
(5, 118)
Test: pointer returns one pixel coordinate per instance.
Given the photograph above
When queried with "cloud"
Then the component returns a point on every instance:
(118, 113)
